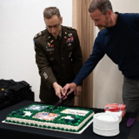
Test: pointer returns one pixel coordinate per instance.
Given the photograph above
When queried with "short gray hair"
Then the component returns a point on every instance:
(51, 11)
(101, 5)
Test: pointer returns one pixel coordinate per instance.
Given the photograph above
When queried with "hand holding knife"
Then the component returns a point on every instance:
(60, 101)
(68, 88)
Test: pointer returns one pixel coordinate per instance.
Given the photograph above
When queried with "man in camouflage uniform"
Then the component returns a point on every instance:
(58, 57)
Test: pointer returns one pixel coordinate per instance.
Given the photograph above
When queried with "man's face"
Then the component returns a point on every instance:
(101, 21)
(54, 25)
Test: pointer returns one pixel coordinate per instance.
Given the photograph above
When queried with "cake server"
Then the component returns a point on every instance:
(60, 101)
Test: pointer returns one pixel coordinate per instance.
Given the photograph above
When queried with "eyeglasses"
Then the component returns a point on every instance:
(55, 26)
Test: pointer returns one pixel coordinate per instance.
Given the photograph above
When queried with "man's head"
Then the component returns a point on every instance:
(100, 12)
(53, 20)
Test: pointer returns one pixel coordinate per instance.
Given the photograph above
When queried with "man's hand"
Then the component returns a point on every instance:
(70, 86)
(58, 89)
(78, 90)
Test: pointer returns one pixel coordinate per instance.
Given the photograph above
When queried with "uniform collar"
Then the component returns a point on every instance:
(60, 33)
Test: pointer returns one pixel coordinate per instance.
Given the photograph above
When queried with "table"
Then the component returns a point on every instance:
(16, 131)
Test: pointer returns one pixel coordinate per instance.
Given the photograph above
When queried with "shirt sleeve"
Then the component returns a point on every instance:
(91, 62)
(42, 62)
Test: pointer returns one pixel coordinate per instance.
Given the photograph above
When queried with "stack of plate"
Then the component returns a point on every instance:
(106, 124)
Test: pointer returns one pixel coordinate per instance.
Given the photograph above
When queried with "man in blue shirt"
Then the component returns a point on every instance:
(119, 39)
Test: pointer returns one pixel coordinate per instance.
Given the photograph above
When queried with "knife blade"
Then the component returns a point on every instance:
(59, 102)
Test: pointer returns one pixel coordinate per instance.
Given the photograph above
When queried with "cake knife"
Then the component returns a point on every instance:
(60, 101)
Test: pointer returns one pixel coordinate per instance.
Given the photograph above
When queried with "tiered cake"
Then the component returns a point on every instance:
(62, 118)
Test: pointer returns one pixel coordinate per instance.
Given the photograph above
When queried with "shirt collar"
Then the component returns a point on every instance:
(60, 34)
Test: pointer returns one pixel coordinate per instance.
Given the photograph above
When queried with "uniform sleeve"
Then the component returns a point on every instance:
(42, 62)
(91, 62)
(77, 55)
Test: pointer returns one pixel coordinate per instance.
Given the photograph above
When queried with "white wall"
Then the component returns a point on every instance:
(108, 79)
(20, 20)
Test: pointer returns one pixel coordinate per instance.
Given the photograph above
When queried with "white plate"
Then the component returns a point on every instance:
(106, 124)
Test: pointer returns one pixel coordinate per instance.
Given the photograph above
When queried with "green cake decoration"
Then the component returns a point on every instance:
(65, 119)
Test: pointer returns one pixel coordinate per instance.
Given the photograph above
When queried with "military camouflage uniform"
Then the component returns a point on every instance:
(57, 62)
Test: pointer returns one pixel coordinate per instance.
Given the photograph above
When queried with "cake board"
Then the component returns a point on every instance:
(80, 132)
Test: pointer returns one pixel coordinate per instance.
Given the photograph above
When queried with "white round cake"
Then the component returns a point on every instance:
(106, 124)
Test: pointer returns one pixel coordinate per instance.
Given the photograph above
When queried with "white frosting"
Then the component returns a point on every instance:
(27, 113)
(39, 123)
(75, 112)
